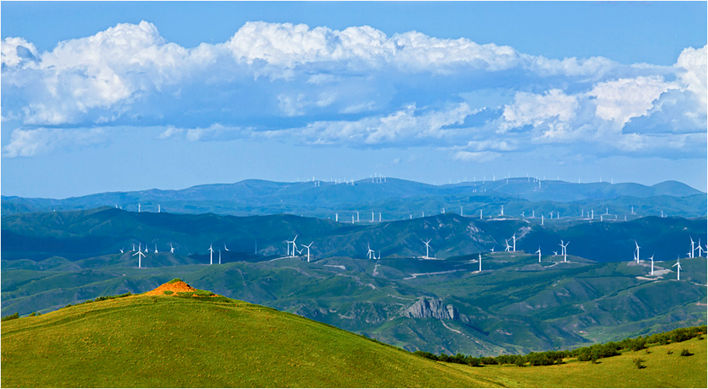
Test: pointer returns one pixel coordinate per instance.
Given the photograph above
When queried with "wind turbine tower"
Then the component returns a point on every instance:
(211, 255)
(652, 264)
(138, 207)
(427, 248)
(480, 262)
(140, 255)
(513, 237)
(480, 215)
(502, 211)
(307, 246)
(539, 254)
(172, 249)
(690, 255)
(158, 208)
(636, 254)
(219, 256)
(677, 265)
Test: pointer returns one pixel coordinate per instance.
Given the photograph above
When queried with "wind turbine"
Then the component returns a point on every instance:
(225, 249)
(140, 255)
(172, 249)
(541, 219)
(122, 251)
(652, 264)
(307, 246)
(636, 254)
(539, 254)
(480, 262)
(700, 249)
(219, 256)
(502, 211)
(513, 237)
(372, 216)
(564, 252)
(158, 208)
(508, 246)
(156, 248)
(211, 254)
(690, 255)
(133, 247)
(138, 207)
(370, 252)
(480, 215)
(677, 265)
(427, 248)
(289, 242)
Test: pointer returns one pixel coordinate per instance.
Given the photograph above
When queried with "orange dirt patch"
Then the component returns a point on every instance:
(175, 287)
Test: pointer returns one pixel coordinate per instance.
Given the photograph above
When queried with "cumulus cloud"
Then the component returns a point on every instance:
(356, 86)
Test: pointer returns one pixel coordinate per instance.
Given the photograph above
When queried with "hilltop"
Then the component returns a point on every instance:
(192, 341)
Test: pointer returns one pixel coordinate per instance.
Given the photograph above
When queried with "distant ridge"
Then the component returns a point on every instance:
(394, 198)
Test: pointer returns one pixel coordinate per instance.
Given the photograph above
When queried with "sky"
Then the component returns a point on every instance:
(125, 96)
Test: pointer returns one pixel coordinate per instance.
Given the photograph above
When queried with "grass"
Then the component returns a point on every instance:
(162, 341)
(661, 369)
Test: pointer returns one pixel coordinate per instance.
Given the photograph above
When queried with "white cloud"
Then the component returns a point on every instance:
(550, 112)
(407, 125)
(16, 51)
(476, 156)
(619, 100)
(27, 143)
(692, 72)
(356, 86)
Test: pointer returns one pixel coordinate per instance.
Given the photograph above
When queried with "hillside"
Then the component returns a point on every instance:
(161, 341)
(168, 341)
(515, 305)
(90, 233)
(394, 198)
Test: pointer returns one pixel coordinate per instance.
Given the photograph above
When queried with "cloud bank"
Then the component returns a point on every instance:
(355, 87)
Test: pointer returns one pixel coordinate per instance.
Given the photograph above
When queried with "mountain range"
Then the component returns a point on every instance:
(394, 199)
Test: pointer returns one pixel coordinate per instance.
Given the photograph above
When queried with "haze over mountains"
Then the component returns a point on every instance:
(393, 198)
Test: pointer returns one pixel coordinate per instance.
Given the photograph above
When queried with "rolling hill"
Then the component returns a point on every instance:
(394, 198)
(82, 234)
(515, 305)
(181, 341)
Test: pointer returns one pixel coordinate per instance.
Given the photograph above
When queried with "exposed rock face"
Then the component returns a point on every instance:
(427, 307)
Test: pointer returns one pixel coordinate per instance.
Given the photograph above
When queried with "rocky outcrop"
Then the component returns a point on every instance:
(427, 307)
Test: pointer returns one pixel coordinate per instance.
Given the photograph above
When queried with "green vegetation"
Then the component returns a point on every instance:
(168, 292)
(11, 317)
(172, 281)
(591, 353)
(160, 341)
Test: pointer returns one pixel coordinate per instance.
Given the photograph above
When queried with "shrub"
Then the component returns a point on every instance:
(426, 354)
(638, 363)
(34, 314)
(686, 353)
(669, 352)
(489, 361)
(168, 292)
(472, 361)
(172, 281)
(11, 317)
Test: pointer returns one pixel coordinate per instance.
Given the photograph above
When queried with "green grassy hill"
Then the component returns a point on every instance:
(156, 341)
(164, 341)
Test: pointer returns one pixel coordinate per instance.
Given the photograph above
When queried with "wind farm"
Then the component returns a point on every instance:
(354, 194)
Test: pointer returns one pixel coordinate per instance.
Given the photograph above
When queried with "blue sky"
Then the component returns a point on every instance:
(125, 96)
